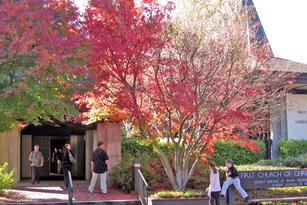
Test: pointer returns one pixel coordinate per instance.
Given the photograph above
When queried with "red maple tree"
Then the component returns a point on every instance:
(181, 82)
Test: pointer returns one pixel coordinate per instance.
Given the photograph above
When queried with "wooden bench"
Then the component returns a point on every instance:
(264, 179)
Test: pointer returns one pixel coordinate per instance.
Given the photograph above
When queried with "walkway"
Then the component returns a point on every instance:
(52, 191)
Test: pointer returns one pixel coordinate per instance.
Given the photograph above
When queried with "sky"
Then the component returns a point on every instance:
(81, 4)
(284, 22)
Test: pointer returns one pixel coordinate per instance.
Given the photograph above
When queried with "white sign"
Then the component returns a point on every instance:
(297, 116)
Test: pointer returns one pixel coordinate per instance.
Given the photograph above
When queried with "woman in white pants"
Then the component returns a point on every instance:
(233, 179)
(99, 168)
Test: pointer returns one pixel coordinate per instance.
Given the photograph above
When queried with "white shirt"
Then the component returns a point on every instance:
(215, 184)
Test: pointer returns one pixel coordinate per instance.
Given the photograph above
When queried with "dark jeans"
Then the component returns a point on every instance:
(214, 198)
(35, 174)
(66, 175)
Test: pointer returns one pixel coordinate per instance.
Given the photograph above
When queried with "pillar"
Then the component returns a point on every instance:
(89, 137)
(10, 151)
(278, 125)
(109, 132)
(26, 148)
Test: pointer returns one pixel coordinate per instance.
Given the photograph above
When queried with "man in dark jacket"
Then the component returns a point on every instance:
(99, 168)
(67, 161)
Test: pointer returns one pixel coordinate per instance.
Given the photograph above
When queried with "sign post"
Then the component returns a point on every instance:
(137, 167)
(70, 189)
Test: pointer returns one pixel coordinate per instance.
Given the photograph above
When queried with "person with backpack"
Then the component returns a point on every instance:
(37, 160)
(214, 188)
(99, 168)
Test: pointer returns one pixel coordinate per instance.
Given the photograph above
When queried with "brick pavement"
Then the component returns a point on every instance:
(52, 191)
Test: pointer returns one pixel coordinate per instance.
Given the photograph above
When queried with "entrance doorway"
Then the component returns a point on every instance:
(56, 147)
(49, 138)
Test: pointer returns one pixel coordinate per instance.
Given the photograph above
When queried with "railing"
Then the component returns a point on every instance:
(140, 185)
(70, 189)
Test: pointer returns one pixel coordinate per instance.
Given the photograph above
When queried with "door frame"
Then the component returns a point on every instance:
(50, 155)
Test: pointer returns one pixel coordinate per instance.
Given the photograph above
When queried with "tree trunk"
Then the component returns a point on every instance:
(181, 174)
(168, 169)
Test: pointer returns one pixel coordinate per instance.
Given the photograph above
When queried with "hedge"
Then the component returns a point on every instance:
(136, 148)
(290, 161)
(229, 150)
(152, 169)
(292, 148)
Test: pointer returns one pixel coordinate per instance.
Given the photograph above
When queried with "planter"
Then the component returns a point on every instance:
(189, 201)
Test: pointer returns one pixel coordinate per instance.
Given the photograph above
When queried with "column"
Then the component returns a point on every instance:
(10, 151)
(88, 153)
(109, 132)
(26, 148)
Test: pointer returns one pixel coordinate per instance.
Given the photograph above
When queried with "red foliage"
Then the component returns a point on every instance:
(137, 69)
(45, 30)
(177, 85)
(157, 178)
(124, 41)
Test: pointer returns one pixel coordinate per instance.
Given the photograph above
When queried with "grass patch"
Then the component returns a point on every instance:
(254, 194)
(178, 194)
(279, 192)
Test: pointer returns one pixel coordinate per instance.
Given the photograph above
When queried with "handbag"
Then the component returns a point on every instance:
(71, 158)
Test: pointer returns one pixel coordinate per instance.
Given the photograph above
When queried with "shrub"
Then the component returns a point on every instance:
(6, 177)
(292, 148)
(156, 176)
(123, 174)
(229, 150)
(290, 161)
(152, 169)
(137, 149)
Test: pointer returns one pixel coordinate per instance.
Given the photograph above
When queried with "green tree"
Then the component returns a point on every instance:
(40, 50)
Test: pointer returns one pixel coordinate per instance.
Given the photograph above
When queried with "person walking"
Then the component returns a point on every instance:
(214, 188)
(37, 160)
(67, 161)
(99, 168)
(59, 168)
(233, 178)
(54, 161)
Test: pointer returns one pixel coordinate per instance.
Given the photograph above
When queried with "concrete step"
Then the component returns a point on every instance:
(111, 202)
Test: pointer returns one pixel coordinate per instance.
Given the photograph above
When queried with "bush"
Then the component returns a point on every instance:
(292, 148)
(152, 169)
(290, 161)
(123, 174)
(137, 149)
(6, 177)
(156, 176)
(229, 150)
